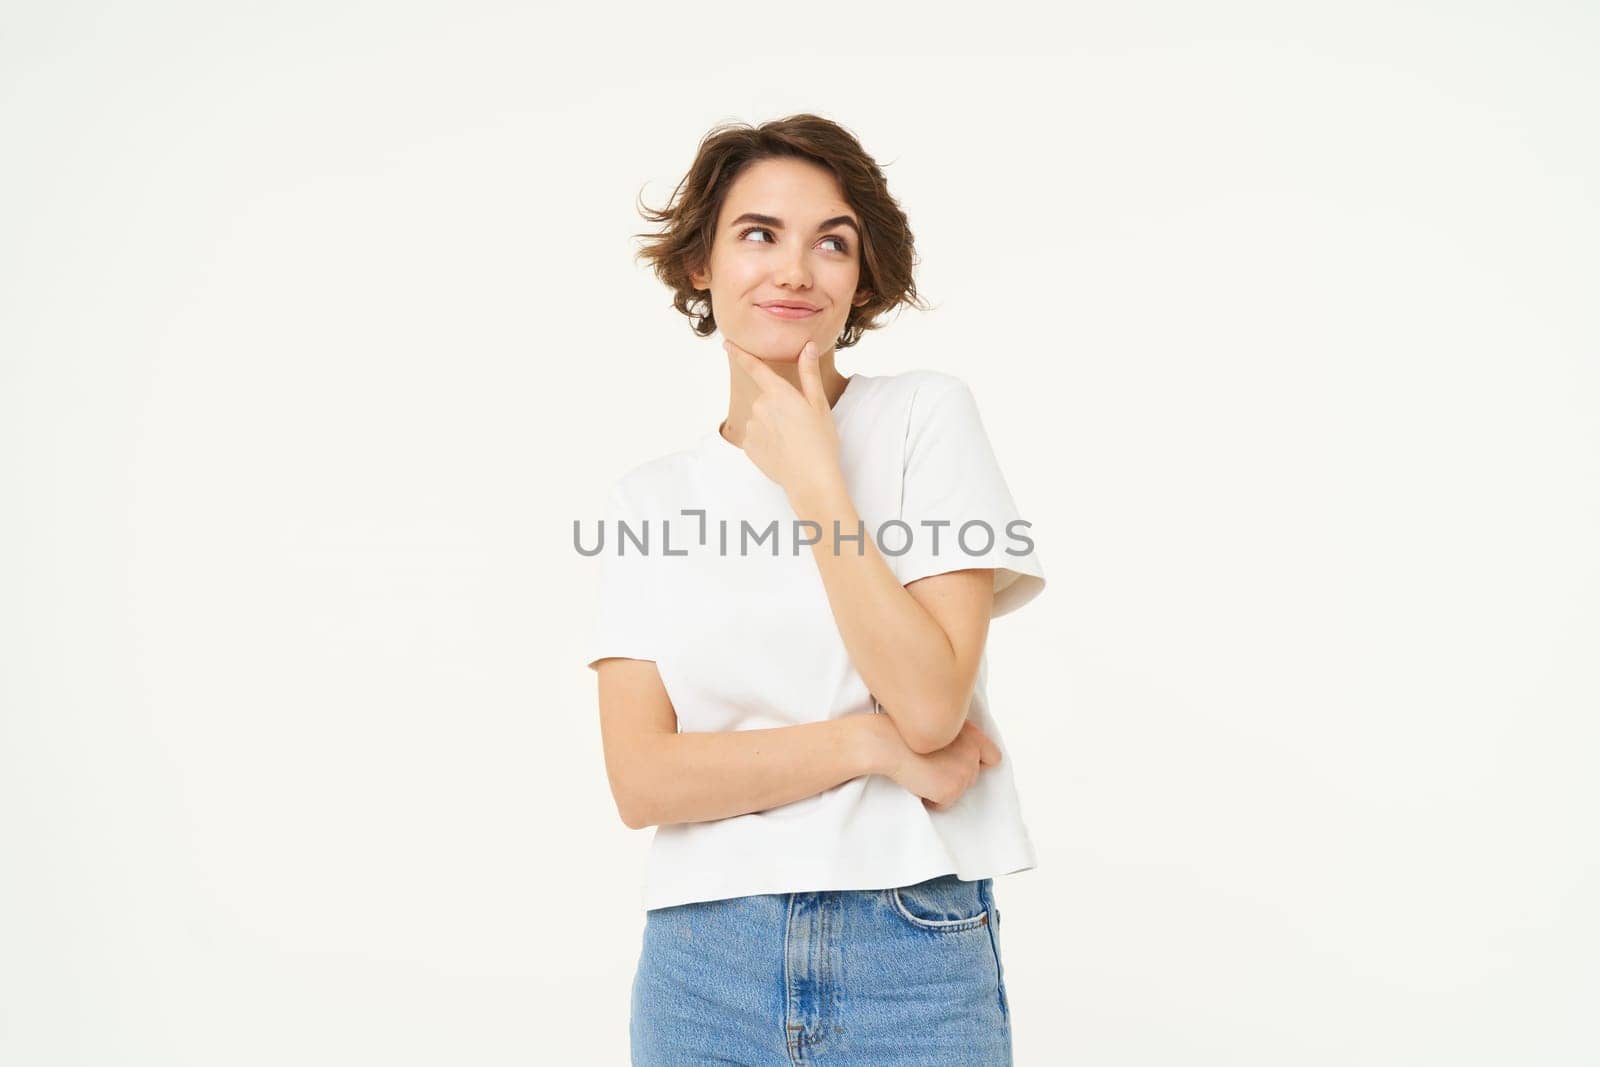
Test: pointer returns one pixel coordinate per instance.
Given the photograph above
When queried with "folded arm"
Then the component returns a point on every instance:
(659, 775)
(916, 646)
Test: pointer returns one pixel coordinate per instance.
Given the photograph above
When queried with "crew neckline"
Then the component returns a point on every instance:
(719, 445)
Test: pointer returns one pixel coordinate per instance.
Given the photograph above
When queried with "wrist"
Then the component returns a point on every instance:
(826, 496)
(879, 744)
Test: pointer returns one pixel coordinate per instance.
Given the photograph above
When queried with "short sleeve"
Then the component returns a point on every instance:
(953, 488)
(626, 622)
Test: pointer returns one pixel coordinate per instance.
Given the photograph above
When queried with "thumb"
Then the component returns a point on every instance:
(811, 377)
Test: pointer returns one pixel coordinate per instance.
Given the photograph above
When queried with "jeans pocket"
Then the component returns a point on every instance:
(945, 904)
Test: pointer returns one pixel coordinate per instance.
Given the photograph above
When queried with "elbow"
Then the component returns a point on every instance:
(938, 718)
(935, 730)
(625, 811)
(633, 816)
(635, 809)
(631, 790)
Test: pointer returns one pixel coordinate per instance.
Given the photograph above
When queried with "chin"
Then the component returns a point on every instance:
(785, 350)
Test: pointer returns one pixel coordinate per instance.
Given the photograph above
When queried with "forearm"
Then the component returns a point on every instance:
(696, 777)
(901, 653)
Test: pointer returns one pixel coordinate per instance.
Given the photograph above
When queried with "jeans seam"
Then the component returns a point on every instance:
(999, 968)
(938, 926)
(793, 1042)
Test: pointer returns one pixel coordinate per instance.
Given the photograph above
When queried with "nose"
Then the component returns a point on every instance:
(793, 271)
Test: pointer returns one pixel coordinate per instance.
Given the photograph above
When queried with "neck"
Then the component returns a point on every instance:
(742, 392)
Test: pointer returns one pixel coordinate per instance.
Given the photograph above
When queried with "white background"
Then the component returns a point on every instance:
(319, 326)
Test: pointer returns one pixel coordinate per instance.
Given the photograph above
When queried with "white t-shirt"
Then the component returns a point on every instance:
(731, 607)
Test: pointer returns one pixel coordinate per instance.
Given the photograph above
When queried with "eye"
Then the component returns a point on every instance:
(844, 245)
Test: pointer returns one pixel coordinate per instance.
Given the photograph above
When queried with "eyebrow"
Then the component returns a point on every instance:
(777, 223)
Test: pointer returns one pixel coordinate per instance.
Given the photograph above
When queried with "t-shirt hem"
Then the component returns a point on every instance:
(637, 653)
(1013, 586)
(669, 899)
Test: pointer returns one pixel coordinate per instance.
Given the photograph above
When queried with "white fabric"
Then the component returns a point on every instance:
(748, 641)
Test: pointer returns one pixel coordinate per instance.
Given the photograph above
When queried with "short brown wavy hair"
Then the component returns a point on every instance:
(683, 246)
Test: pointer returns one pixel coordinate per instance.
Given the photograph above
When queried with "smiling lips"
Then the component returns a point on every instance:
(779, 311)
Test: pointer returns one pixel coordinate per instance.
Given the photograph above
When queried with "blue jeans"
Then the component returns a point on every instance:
(885, 977)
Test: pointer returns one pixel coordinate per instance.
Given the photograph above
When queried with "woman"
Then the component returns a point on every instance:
(790, 647)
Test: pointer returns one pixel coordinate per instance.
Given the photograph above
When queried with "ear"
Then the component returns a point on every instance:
(700, 277)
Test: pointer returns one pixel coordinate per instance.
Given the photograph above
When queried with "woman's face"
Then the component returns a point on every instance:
(807, 249)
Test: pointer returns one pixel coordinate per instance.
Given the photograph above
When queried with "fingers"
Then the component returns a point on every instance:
(764, 376)
(988, 752)
(811, 377)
